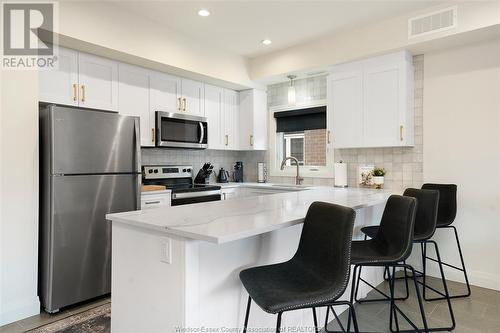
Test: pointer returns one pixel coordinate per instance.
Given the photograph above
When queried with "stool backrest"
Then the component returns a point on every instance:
(395, 235)
(447, 208)
(427, 210)
(325, 242)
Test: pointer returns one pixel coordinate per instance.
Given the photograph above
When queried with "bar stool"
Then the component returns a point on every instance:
(318, 273)
(447, 211)
(425, 226)
(389, 248)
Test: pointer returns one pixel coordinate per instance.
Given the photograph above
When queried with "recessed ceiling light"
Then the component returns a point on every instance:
(266, 42)
(203, 12)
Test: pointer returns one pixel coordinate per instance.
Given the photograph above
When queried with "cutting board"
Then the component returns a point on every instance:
(149, 188)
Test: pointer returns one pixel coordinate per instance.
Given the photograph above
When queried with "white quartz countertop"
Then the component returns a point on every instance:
(238, 218)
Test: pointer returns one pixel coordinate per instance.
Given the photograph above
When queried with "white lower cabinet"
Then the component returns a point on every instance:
(155, 199)
(372, 102)
(230, 193)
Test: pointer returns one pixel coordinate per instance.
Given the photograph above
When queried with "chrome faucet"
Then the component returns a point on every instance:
(298, 179)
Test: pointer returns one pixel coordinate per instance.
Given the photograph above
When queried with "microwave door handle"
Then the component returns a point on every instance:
(202, 130)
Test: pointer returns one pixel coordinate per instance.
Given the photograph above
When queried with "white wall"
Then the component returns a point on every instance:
(19, 195)
(476, 20)
(103, 25)
(462, 146)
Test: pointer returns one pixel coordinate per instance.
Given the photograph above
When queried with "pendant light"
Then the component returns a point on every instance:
(291, 90)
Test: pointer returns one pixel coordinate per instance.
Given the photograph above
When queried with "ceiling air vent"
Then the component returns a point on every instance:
(432, 22)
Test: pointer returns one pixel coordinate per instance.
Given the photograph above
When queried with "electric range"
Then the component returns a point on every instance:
(179, 179)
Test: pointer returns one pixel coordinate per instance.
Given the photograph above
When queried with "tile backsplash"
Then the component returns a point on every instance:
(404, 166)
(219, 158)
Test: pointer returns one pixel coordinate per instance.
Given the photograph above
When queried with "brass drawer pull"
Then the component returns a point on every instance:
(401, 132)
(75, 91)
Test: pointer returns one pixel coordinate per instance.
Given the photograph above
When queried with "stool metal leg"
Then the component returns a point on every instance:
(467, 294)
(445, 285)
(316, 330)
(247, 314)
(278, 323)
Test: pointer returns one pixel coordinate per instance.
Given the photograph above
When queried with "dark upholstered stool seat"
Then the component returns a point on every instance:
(427, 201)
(447, 202)
(286, 286)
(318, 273)
(387, 246)
(370, 231)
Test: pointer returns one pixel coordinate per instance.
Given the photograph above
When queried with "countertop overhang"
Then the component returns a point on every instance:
(225, 221)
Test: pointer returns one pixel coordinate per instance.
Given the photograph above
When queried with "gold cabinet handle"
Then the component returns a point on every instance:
(153, 135)
(328, 137)
(251, 140)
(179, 103)
(75, 91)
(227, 140)
(185, 104)
(83, 93)
(401, 132)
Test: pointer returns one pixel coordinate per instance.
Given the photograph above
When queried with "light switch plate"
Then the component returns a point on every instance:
(166, 250)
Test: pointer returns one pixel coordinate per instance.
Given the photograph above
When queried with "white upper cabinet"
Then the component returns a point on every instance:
(231, 120)
(81, 80)
(60, 85)
(345, 104)
(98, 79)
(133, 99)
(165, 93)
(192, 97)
(214, 113)
(372, 102)
(253, 120)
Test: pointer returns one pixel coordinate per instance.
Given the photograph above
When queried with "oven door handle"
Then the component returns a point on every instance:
(202, 132)
(194, 194)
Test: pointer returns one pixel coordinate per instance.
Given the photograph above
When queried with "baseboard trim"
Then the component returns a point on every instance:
(19, 310)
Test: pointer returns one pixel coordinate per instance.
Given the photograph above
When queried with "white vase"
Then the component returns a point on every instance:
(378, 181)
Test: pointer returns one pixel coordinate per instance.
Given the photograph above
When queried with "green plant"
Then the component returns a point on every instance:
(379, 172)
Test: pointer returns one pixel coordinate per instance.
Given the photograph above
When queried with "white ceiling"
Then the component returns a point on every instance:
(239, 26)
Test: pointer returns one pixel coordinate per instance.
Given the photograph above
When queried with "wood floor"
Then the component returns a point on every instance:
(478, 313)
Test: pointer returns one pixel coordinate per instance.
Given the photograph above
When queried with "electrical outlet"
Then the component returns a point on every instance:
(166, 250)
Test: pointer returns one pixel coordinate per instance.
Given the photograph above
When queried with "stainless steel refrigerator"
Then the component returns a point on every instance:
(89, 166)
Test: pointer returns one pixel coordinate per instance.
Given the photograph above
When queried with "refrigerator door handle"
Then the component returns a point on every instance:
(138, 160)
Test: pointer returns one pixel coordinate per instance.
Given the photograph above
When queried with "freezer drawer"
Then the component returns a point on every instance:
(76, 238)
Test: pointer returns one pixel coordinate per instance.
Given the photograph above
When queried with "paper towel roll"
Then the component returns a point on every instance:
(340, 174)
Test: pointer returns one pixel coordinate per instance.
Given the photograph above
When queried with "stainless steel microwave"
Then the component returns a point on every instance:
(174, 130)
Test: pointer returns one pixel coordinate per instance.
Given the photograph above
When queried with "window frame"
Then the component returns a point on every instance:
(305, 171)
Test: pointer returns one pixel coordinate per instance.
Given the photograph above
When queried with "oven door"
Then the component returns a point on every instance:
(195, 197)
(176, 130)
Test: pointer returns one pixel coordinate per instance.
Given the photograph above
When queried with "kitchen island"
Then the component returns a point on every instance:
(175, 269)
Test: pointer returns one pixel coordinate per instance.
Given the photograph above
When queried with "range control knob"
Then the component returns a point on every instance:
(150, 171)
(188, 170)
(156, 171)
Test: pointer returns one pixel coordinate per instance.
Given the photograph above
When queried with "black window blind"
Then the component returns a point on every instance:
(301, 119)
